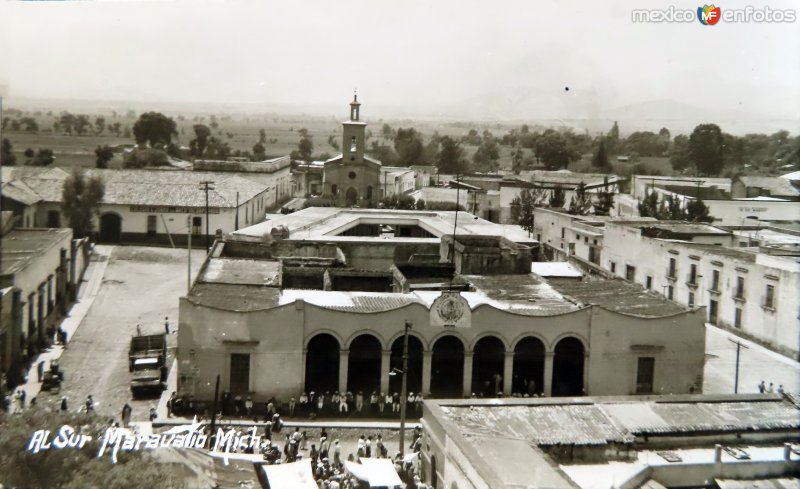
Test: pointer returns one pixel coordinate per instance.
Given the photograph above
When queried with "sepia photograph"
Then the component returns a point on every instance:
(251, 244)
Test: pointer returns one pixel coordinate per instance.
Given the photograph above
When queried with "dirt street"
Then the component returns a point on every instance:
(141, 285)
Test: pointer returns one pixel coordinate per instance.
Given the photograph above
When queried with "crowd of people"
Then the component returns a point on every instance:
(327, 455)
(763, 388)
(307, 405)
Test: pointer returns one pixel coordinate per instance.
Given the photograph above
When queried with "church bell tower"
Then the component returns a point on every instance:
(353, 134)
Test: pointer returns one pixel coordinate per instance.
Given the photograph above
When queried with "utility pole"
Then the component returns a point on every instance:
(739, 346)
(207, 185)
(213, 436)
(189, 266)
(403, 393)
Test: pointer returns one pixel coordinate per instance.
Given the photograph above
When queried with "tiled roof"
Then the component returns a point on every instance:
(618, 296)
(147, 187)
(18, 191)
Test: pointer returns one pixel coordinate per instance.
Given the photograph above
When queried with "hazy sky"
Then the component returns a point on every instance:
(408, 56)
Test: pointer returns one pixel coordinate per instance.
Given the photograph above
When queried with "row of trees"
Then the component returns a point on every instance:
(42, 157)
(670, 208)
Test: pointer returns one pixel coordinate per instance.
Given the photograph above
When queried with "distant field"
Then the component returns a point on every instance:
(281, 131)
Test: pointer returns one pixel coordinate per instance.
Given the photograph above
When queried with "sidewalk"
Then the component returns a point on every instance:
(87, 291)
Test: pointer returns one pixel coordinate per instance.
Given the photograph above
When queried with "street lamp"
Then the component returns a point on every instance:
(404, 372)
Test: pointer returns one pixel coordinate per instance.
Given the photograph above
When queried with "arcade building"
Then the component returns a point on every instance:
(317, 301)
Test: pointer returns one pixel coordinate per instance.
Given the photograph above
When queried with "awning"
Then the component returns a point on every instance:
(295, 475)
(378, 472)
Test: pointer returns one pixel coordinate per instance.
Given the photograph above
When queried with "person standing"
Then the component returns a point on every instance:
(126, 415)
(170, 403)
(292, 407)
(138, 330)
(40, 369)
(64, 407)
(771, 388)
(166, 324)
(89, 403)
(762, 387)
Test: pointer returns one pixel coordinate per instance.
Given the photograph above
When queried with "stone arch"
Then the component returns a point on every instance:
(483, 335)
(415, 354)
(322, 363)
(560, 337)
(488, 362)
(447, 366)
(529, 334)
(569, 362)
(528, 369)
(364, 364)
(362, 332)
(324, 331)
(411, 333)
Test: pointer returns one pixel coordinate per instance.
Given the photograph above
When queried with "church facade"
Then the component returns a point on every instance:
(352, 179)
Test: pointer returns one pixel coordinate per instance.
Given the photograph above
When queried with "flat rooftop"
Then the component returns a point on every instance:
(328, 224)
(602, 420)
(22, 245)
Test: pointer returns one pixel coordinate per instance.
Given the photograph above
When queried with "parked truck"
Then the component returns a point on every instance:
(147, 350)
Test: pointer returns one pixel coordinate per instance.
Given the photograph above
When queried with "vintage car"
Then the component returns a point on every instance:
(147, 383)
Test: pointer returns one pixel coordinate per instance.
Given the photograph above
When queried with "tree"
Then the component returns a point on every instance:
(30, 124)
(605, 200)
(552, 150)
(387, 132)
(385, 154)
(648, 207)
(7, 156)
(305, 147)
(81, 124)
(697, 211)
(154, 128)
(73, 468)
(99, 125)
(217, 149)
(485, 158)
(451, 157)
(145, 157)
(104, 155)
(557, 197)
(581, 203)
(80, 201)
(706, 149)
(198, 145)
(613, 138)
(517, 159)
(679, 153)
(44, 157)
(262, 136)
(259, 151)
(522, 207)
(335, 144)
(408, 146)
(395, 201)
(600, 158)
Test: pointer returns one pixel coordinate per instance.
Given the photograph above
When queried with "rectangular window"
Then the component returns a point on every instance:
(691, 299)
(649, 282)
(645, 373)
(197, 225)
(673, 268)
(740, 287)
(670, 292)
(693, 274)
(152, 223)
(240, 373)
(769, 298)
(613, 267)
(737, 318)
(713, 311)
(715, 280)
(630, 273)
(563, 232)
